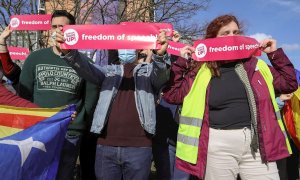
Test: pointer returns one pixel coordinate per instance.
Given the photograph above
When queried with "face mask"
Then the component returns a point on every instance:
(127, 55)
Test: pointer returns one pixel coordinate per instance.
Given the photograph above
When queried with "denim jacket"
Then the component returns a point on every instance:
(148, 79)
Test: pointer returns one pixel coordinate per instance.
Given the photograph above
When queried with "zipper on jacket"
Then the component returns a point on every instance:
(263, 128)
(259, 82)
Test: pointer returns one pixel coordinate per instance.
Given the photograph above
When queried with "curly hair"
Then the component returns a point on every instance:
(215, 25)
(212, 31)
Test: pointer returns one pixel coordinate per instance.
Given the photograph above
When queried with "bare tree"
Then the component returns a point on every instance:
(180, 13)
(177, 12)
(16, 7)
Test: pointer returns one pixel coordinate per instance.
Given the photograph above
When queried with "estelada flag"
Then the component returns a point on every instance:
(31, 141)
(291, 114)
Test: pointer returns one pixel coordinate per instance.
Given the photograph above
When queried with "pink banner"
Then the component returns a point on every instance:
(129, 36)
(225, 48)
(168, 27)
(18, 53)
(174, 48)
(31, 22)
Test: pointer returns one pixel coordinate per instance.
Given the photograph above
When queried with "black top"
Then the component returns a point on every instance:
(228, 103)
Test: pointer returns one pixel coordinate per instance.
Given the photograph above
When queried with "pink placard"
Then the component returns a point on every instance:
(30, 22)
(168, 27)
(18, 53)
(225, 48)
(174, 48)
(127, 36)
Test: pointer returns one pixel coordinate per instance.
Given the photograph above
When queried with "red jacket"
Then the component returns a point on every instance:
(8, 98)
(12, 72)
(271, 139)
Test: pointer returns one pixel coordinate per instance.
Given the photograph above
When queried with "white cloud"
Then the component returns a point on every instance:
(291, 47)
(291, 4)
(260, 36)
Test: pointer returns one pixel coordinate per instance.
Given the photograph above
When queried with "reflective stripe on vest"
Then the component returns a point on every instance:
(193, 111)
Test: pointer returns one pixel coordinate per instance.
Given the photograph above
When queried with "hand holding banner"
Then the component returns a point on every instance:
(129, 36)
(225, 48)
(30, 22)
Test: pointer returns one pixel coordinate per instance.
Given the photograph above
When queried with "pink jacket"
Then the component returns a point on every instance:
(271, 139)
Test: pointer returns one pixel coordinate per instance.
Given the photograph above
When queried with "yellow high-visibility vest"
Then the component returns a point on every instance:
(192, 113)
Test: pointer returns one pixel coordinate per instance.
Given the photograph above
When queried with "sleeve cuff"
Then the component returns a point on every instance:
(275, 54)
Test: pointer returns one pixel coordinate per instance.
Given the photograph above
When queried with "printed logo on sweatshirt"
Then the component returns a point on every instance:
(57, 78)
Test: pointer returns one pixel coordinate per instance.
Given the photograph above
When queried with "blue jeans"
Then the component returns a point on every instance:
(164, 158)
(68, 157)
(127, 162)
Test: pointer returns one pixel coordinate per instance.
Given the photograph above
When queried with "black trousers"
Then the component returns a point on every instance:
(288, 167)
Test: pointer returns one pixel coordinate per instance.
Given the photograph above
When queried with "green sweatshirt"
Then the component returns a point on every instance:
(48, 81)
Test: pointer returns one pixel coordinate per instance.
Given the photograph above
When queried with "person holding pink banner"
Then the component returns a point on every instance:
(164, 141)
(230, 122)
(10, 69)
(124, 117)
(288, 167)
(12, 72)
(49, 82)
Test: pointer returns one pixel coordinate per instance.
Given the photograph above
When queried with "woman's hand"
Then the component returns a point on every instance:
(163, 41)
(268, 45)
(285, 97)
(5, 34)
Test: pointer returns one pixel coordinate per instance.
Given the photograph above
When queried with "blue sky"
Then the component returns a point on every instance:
(279, 19)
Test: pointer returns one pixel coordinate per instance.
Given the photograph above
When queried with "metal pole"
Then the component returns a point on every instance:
(37, 32)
